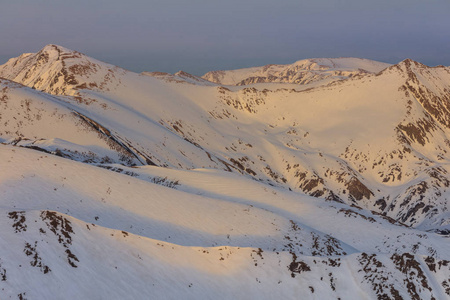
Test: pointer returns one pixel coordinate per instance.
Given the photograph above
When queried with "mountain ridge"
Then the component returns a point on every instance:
(407, 133)
(410, 132)
(298, 72)
(285, 188)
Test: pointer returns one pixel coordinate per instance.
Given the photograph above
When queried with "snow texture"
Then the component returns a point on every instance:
(324, 179)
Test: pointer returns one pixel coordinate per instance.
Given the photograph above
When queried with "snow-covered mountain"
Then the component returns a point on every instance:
(183, 218)
(320, 70)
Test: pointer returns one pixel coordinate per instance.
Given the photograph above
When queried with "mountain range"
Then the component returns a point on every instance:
(323, 179)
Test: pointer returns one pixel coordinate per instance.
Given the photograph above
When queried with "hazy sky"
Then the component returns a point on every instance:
(202, 35)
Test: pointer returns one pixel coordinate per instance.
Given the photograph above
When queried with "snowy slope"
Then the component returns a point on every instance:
(205, 166)
(212, 232)
(389, 131)
(37, 120)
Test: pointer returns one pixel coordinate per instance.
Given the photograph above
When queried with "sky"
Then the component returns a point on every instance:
(198, 36)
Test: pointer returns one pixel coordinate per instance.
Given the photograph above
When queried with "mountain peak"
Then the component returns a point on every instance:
(183, 73)
(52, 47)
(59, 52)
(58, 70)
(408, 66)
(410, 62)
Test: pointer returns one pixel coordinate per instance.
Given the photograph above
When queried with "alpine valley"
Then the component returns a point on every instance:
(323, 179)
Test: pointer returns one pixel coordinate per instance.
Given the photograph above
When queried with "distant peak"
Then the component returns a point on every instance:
(187, 75)
(54, 47)
(408, 65)
(411, 62)
(59, 52)
(181, 72)
(407, 61)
